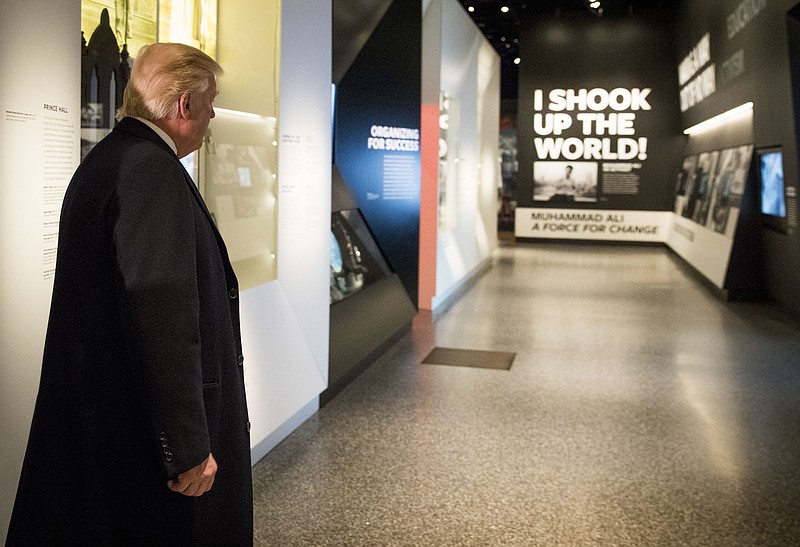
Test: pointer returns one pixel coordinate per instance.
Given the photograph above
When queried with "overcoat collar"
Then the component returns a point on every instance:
(136, 128)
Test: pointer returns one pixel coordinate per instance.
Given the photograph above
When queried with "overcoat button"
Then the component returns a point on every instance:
(241, 360)
(233, 293)
(248, 427)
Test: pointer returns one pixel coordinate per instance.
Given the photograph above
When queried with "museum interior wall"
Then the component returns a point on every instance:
(603, 155)
(376, 128)
(749, 51)
(375, 228)
(598, 126)
(277, 220)
(461, 86)
(39, 131)
(285, 323)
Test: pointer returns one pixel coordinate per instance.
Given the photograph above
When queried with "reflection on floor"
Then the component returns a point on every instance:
(641, 410)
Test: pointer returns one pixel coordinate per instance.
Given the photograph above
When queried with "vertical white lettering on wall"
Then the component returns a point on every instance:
(744, 13)
(697, 75)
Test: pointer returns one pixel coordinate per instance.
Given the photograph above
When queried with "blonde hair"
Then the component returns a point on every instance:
(162, 73)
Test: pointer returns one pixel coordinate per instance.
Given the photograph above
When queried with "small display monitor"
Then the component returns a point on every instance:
(773, 200)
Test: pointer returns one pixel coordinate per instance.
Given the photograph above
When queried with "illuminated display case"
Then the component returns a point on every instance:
(238, 179)
(236, 169)
(356, 261)
(113, 32)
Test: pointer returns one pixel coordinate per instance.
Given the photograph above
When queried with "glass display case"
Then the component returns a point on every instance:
(355, 259)
(238, 180)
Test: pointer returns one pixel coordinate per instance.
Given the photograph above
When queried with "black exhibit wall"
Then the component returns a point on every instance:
(376, 135)
(376, 174)
(741, 51)
(599, 94)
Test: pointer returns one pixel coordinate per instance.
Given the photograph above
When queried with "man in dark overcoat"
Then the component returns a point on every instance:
(140, 430)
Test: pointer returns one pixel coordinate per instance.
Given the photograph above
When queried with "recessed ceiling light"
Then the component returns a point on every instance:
(470, 9)
(516, 61)
(504, 9)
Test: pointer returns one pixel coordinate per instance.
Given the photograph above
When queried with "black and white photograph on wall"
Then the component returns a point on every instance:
(685, 175)
(728, 187)
(565, 181)
(684, 184)
(508, 157)
(699, 194)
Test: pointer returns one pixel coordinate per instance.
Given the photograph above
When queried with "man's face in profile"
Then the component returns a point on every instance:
(202, 110)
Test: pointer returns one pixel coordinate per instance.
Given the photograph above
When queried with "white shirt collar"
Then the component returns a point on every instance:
(160, 132)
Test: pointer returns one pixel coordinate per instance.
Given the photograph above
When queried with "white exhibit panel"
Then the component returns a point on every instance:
(40, 136)
(305, 169)
(285, 322)
(469, 171)
(709, 193)
(489, 174)
(706, 250)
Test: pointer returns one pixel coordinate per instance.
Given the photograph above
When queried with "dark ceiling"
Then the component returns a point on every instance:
(502, 29)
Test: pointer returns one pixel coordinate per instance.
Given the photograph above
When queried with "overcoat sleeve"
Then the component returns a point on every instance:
(155, 244)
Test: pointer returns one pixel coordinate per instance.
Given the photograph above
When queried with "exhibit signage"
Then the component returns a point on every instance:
(400, 180)
(697, 74)
(587, 143)
(744, 13)
(592, 139)
(593, 122)
(59, 157)
(641, 226)
(401, 139)
(721, 55)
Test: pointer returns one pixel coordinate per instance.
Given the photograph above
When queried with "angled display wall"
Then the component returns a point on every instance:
(375, 215)
(460, 117)
(732, 52)
(377, 136)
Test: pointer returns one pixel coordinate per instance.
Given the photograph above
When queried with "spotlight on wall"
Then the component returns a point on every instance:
(720, 118)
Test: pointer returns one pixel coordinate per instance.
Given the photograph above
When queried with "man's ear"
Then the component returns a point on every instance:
(184, 105)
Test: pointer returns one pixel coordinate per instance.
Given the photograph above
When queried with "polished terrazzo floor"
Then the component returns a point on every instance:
(640, 410)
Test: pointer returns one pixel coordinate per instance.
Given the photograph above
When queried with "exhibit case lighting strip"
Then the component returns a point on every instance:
(240, 113)
(716, 120)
